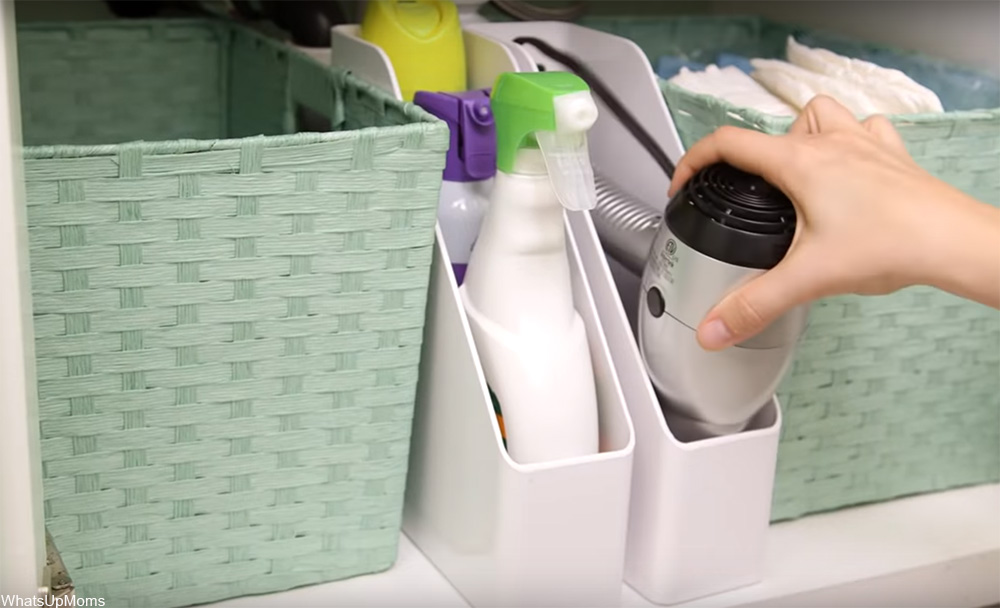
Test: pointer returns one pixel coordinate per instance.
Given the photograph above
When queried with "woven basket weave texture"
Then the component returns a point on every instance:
(889, 396)
(228, 316)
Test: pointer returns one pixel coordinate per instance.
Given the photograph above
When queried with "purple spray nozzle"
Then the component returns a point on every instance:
(472, 153)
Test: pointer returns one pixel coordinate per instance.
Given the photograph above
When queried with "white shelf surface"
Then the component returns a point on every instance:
(933, 550)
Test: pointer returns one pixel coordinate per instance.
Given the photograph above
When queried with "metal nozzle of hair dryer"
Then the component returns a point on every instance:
(625, 226)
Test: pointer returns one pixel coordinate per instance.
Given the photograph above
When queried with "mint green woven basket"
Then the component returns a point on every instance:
(889, 396)
(228, 316)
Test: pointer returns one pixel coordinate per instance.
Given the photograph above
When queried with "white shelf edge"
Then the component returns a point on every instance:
(940, 549)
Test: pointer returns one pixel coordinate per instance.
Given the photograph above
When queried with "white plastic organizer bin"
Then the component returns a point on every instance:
(700, 507)
(505, 534)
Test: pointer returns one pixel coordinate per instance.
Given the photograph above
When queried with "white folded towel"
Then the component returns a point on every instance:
(735, 86)
(797, 86)
(863, 87)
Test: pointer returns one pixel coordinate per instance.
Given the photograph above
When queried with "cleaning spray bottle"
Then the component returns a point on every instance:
(517, 291)
(468, 170)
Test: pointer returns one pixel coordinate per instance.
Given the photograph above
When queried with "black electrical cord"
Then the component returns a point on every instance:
(629, 121)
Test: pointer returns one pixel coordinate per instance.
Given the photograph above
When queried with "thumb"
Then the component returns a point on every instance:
(749, 309)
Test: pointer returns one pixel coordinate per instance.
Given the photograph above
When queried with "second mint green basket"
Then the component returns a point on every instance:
(889, 396)
(228, 315)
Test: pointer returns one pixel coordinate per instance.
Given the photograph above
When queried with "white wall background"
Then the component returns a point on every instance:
(963, 31)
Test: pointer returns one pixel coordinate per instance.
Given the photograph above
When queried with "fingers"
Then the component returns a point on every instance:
(747, 311)
(825, 115)
(800, 126)
(759, 153)
(882, 129)
(766, 155)
(751, 151)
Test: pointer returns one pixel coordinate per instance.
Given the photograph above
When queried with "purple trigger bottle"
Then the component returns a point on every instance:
(469, 171)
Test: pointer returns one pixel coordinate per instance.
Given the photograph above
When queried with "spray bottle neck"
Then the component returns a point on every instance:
(529, 162)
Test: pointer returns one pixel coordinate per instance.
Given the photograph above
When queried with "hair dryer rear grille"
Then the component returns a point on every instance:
(741, 201)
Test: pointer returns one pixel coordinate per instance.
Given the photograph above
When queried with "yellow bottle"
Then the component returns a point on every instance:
(423, 39)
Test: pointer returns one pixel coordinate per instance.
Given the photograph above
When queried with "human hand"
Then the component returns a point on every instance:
(869, 219)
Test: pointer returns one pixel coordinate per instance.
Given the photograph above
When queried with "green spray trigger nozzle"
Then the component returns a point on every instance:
(551, 111)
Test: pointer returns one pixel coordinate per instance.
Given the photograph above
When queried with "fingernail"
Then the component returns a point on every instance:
(715, 335)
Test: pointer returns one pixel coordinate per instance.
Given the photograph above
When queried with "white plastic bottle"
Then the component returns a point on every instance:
(517, 291)
(469, 168)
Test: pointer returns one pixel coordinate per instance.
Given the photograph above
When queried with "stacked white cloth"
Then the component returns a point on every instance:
(863, 87)
(733, 85)
(787, 86)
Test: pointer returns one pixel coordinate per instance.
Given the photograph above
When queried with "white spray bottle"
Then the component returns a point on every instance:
(517, 290)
